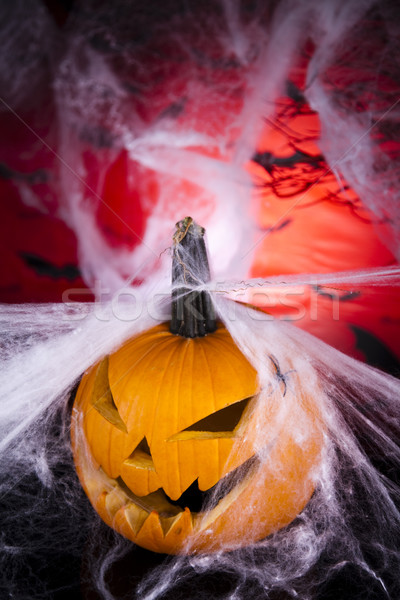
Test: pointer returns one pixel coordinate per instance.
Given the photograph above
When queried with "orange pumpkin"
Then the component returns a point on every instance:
(165, 414)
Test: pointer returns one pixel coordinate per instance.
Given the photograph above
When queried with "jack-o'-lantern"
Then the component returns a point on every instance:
(175, 412)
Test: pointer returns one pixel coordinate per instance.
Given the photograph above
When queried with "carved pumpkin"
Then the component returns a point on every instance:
(167, 413)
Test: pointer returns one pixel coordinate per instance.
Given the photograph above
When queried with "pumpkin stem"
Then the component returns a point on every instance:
(193, 313)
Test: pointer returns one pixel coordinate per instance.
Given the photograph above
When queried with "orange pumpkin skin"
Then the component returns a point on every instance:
(136, 446)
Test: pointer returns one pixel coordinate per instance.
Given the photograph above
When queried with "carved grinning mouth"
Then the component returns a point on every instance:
(171, 522)
(197, 500)
(193, 498)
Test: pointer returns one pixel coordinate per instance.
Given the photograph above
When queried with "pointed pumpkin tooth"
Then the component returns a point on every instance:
(177, 529)
(141, 481)
(134, 516)
(183, 481)
(99, 504)
(151, 532)
(115, 500)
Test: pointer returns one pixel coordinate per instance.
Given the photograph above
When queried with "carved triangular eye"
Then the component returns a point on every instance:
(102, 399)
(143, 447)
(141, 456)
(222, 423)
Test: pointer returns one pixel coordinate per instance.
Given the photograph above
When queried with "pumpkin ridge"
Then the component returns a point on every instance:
(227, 364)
(211, 383)
(183, 367)
(135, 434)
(232, 349)
(160, 349)
(176, 348)
(217, 453)
(135, 349)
